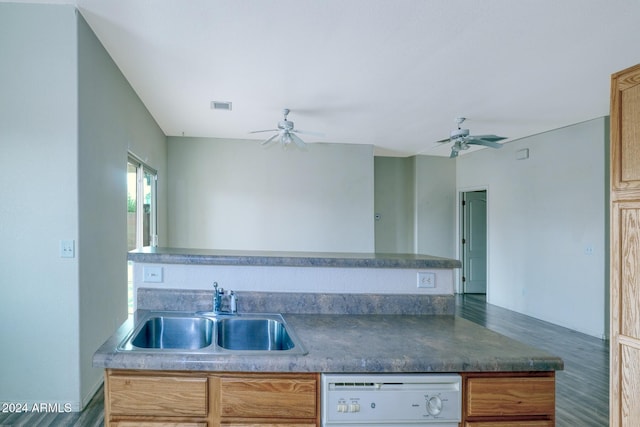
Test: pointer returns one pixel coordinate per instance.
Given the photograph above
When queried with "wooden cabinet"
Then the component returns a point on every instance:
(200, 399)
(508, 399)
(192, 399)
(625, 248)
(282, 397)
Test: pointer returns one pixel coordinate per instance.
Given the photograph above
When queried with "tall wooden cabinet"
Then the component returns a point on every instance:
(625, 248)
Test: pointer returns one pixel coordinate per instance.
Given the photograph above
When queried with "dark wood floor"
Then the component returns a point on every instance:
(582, 388)
(91, 416)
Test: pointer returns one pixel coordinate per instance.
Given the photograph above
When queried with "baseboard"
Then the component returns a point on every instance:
(92, 391)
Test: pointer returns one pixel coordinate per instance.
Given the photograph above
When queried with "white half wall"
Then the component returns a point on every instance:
(236, 194)
(294, 279)
(546, 217)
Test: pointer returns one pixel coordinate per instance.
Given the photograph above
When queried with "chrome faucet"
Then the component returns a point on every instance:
(219, 295)
(217, 298)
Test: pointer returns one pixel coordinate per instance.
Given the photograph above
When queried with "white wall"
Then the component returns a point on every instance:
(236, 194)
(543, 213)
(66, 118)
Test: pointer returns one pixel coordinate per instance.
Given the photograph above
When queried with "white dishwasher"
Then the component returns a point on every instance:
(391, 400)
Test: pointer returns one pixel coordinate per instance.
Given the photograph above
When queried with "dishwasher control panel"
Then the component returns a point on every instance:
(391, 400)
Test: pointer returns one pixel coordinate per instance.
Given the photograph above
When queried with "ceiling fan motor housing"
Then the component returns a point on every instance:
(459, 133)
(285, 124)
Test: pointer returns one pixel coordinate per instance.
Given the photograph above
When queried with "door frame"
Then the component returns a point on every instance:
(459, 288)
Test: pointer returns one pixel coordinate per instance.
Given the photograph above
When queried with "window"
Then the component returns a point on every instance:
(141, 205)
(141, 211)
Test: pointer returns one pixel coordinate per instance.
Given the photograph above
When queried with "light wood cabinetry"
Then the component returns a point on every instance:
(508, 399)
(625, 248)
(200, 399)
(192, 399)
(285, 397)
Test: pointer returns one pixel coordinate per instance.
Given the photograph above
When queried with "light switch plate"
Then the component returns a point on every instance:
(152, 274)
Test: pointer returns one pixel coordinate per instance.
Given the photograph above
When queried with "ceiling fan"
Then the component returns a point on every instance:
(462, 140)
(286, 132)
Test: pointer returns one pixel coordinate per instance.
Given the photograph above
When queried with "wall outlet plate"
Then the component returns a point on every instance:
(426, 279)
(67, 249)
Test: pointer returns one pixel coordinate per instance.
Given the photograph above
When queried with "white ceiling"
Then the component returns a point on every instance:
(392, 73)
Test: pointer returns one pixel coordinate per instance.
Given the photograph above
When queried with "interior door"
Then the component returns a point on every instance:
(625, 249)
(474, 242)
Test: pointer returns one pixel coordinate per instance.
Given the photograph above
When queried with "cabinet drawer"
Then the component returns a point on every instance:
(266, 425)
(159, 396)
(155, 424)
(510, 396)
(268, 398)
(510, 424)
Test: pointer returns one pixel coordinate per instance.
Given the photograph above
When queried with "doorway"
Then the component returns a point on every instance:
(473, 242)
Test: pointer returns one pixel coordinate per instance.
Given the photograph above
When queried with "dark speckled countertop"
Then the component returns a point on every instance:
(288, 259)
(371, 343)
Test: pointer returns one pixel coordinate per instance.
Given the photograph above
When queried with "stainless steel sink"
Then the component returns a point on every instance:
(187, 333)
(238, 333)
(208, 333)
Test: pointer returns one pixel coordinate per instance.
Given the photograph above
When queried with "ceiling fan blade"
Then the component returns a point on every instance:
(308, 133)
(266, 130)
(485, 142)
(494, 138)
(444, 140)
(300, 143)
(270, 139)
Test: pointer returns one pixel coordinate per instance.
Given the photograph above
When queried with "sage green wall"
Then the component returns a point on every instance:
(547, 251)
(435, 195)
(112, 120)
(415, 197)
(395, 204)
(67, 117)
(39, 191)
(236, 194)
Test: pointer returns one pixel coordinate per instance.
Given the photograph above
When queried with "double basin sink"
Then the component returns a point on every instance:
(209, 333)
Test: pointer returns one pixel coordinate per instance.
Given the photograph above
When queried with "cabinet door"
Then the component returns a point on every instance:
(157, 396)
(268, 397)
(625, 248)
(625, 130)
(510, 424)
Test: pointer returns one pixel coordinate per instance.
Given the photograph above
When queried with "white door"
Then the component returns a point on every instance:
(474, 242)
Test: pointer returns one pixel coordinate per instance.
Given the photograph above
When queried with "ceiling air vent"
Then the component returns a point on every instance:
(220, 105)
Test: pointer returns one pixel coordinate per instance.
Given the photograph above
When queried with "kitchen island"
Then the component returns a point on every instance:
(374, 343)
(343, 328)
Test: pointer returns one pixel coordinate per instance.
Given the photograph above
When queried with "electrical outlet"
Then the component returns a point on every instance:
(151, 274)
(426, 279)
(67, 249)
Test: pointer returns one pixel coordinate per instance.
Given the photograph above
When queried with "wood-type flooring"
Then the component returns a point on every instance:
(582, 388)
